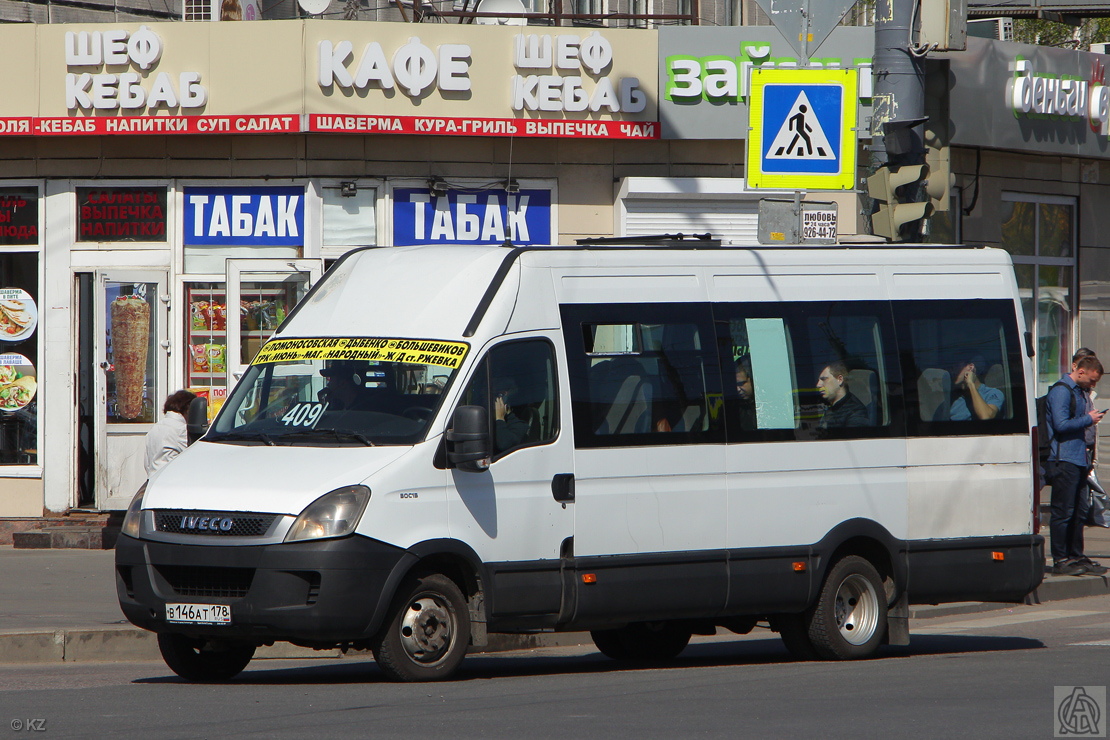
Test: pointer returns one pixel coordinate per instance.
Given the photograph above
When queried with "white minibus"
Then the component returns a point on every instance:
(647, 443)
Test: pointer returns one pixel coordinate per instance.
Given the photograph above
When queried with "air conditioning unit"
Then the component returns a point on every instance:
(992, 28)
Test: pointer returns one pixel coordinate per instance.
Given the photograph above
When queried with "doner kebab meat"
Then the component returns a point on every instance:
(130, 338)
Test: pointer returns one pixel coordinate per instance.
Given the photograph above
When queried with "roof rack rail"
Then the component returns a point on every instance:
(652, 240)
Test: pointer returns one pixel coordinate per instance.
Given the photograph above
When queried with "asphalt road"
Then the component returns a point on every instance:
(989, 675)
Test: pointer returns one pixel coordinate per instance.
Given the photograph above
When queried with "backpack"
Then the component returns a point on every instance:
(1044, 429)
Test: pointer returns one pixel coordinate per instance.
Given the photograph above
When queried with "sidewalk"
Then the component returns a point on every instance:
(61, 605)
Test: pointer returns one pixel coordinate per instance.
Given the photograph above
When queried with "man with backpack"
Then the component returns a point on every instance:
(1071, 419)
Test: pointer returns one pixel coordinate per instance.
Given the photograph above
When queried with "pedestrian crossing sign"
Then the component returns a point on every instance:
(802, 129)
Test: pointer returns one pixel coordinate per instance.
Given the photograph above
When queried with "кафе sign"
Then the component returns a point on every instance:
(174, 78)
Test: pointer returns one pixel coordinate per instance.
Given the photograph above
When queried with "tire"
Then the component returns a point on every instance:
(610, 644)
(642, 641)
(198, 659)
(849, 620)
(427, 632)
(794, 631)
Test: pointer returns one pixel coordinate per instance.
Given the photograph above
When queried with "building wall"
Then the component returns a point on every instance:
(83, 11)
(585, 175)
(21, 497)
(1086, 181)
(586, 170)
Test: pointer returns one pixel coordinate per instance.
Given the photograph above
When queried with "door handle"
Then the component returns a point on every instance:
(562, 488)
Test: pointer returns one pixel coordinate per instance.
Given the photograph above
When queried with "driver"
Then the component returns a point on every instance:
(346, 383)
(509, 429)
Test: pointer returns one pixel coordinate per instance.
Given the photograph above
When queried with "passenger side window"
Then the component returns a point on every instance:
(642, 375)
(962, 364)
(820, 370)
(516, 383)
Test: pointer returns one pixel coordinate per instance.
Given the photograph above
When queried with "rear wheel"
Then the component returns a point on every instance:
(198, 659)
(642, 641)
(427, 633)
(849, 619)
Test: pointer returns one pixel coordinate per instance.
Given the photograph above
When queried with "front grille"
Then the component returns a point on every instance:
(192, 580)
(189, 522)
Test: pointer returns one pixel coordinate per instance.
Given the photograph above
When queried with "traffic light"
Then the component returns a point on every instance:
(893, 190)
(939, 184)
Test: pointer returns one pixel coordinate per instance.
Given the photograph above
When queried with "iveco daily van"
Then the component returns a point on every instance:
(441, 443)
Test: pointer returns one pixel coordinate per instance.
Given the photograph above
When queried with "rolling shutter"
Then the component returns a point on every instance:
(732, 220)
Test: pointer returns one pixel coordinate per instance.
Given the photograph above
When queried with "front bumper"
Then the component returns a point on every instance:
(314, 593)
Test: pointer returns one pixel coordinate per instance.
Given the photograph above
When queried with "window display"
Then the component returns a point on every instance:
(131, 352)
(262, 308)
(19, 329)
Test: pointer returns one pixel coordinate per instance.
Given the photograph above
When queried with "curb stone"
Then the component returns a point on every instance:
(122, 644)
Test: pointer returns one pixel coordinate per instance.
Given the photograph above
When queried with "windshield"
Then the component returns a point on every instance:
(339, 391)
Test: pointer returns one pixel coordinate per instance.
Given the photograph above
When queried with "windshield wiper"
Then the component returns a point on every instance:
(223, 436)
(341, 434)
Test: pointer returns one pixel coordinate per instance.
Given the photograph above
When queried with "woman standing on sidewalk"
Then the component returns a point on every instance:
(168, 438)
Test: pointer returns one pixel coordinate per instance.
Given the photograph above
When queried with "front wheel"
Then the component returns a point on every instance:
(849, 619)
(426, 636)
(198, 659)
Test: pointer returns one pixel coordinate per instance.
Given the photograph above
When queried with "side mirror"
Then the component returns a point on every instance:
(196, 423)
(468, 445)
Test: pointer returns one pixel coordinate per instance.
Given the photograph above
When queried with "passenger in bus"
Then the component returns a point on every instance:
(745, 393)
(346, 384)
(973, 399)
(509, 429)
(844, 409)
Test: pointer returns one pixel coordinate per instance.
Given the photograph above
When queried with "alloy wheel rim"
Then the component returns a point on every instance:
(857, 609)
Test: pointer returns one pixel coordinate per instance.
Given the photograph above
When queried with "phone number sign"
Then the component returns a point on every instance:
(819, 226)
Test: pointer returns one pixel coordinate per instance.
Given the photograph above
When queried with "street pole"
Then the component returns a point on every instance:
(898, 105)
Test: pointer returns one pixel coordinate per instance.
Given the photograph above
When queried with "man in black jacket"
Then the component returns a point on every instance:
(844, 409)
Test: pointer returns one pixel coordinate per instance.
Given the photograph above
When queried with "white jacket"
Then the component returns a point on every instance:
(165, 441)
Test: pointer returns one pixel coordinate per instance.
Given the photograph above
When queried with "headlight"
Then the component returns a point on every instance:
(334, 514)
(134, 515)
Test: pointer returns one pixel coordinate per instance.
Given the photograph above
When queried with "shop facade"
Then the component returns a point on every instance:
(1031, 173)
(1018, 132)
(171, 190)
